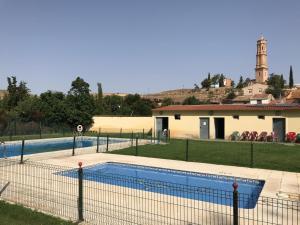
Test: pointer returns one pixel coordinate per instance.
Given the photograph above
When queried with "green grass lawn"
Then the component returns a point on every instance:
(18, 215)
(265, 155)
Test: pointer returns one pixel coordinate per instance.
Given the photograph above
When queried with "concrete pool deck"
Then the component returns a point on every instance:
(278, 184)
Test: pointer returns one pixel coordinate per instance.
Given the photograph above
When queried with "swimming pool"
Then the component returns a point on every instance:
(39, 146)
(199, 186)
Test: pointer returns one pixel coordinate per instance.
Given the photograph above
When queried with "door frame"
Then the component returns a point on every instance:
(216, 118)
(280, 118)
(208, 118)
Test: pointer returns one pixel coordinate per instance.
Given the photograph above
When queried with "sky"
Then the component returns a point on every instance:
(143, 46)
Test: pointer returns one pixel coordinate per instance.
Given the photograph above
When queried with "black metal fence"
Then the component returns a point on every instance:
(77, 194)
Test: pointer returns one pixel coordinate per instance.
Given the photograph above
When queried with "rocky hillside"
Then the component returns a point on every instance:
(213, 95)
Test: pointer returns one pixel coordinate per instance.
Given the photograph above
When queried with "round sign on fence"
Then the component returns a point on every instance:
(79, 128)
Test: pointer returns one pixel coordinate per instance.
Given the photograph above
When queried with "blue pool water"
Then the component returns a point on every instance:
(198, 186)
(33, 147)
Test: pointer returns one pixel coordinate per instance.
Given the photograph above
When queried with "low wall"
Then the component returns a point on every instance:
(127, 124)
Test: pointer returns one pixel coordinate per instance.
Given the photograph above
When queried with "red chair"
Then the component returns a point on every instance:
(262, 136)
(253, 136)
(245, 136)
(291, 136)
(272, 137)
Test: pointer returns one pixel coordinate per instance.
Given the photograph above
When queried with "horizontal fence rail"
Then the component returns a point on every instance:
(98, 198)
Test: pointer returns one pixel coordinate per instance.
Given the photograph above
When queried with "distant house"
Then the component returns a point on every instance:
(227, 83)
(261, 99)
(241, 99)
(2, 93)
(254, 89)
(294, 96)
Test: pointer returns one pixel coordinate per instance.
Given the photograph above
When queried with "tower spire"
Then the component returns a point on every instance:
(261, 69)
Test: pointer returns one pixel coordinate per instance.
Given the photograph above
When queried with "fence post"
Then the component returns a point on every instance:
(97, 143)
(169, 135)
(107, 140)
(40, 129)
(120, 132)
(187, 150)
(74, 143)
(80, 192)
(132, 139)
(22, 151)
(136, 146)
(143, 133)
(235, 204)
(252, 163)
(158, 137)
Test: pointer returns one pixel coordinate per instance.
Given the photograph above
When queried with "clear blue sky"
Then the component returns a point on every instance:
(143, 46)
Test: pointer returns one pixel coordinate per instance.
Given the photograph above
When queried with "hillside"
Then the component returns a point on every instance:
(213, 95)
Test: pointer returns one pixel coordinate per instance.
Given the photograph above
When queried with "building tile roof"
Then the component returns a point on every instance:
(294, 94)
(241, 98)
(239, 107)
(261, 96)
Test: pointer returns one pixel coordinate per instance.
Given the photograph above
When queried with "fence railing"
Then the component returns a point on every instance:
(78, 194)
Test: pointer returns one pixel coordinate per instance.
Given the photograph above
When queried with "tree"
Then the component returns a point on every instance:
(240, 84)
(99, 100)
(206, 82)
(80, 104)
(167, 101)
(16, 93)
(291, 78)
(29, 109)
(192, 100)
(231, 95)
(3, 121)
(247, 82)
(221, 80)
(276, 84)
(54, 108)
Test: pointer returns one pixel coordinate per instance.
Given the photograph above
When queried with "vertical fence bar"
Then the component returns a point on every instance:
(136, 146)
(252, 159)
(120, 132)
(74, 143)
(99, 131)
(80, 192)
(187, 150)
(143, 133)
(107, 140)
(97, 143)
(169, 135)
(22, 151)
(132, 139)
(235, 204)
(40, 129)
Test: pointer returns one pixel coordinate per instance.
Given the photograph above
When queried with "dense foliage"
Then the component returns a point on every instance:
(59, 110)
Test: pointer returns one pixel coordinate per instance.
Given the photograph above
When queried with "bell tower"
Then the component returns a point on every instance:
(261, 69)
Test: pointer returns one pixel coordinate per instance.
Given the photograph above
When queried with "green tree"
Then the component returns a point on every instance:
(221, 80)
(240, 84)
(16, 93)
(54, 109)
(276, 85)
(192, 100)
(99, 100)
(291, 78)
(167, 101)
(80, 104)
(29, 109)
(3, 121)
(206, 82)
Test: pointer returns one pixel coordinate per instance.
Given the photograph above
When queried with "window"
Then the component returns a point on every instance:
(261, 117)
(260, 90)
(259, 101)
(250, 91)
(177, 116)
(237, 117)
